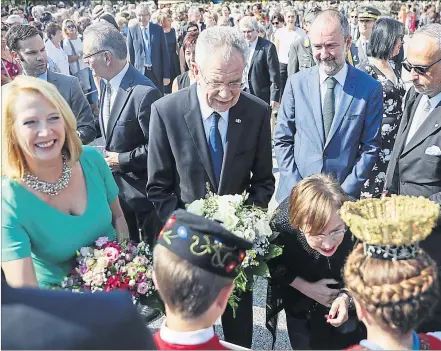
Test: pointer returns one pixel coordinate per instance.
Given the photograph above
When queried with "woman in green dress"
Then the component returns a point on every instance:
(57, 196)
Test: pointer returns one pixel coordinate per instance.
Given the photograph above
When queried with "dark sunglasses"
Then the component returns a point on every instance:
(418, 69)
(354, 16)
(276, 23)
(70, 27)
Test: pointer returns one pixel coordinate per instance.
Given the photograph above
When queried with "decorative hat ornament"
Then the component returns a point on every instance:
(391, 228)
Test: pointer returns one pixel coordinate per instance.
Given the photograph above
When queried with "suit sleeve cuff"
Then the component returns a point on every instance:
(124, 161)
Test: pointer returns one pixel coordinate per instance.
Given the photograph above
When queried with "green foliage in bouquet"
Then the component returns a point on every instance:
(248, 222)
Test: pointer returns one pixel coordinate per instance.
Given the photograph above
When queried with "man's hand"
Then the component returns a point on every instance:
(274, 104)
(112, 160)
(166, 81)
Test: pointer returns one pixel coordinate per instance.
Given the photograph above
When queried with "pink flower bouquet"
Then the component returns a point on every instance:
(109, 266)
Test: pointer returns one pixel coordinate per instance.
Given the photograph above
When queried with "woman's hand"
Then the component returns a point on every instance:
(338, 313)
(318, 291)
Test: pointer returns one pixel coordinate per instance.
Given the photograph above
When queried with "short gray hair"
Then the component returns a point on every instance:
(432, 30)
(220, 40)
(289, 9)
(249, 22)
(335, 15)
(104, 36)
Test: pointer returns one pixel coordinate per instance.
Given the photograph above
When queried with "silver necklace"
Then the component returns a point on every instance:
(51, 189)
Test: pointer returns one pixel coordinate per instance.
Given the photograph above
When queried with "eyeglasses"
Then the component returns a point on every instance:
(275, 23)
(95, 53)
(248, 31)
(70, 26)
(318, 239)
(354, 16)
(192, 30)
(418, 69)
(219, 86)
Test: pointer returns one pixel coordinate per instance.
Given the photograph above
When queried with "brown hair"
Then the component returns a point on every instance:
(190, 41)
(313, 201)
(186, 289)
(398, 294)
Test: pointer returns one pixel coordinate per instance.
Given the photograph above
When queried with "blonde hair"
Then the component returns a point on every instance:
(313, 201)
(398, 294)
(13, 161)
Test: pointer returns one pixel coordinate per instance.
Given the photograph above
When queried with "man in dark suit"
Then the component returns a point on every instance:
(27, 46)
(148, 49)
(212, 133)
(415, 164)
(262, 73)
(126, 98)
(194, 16)
(34, 319)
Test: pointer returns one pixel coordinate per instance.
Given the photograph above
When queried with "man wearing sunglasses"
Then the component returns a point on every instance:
(353, 25)
(415, 165)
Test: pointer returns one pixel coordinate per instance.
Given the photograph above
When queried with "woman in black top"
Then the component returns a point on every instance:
(165, 20)
(185, 79)
(385, 43)
(306, 280)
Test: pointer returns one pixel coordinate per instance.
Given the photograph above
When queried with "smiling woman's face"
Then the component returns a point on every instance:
(327, 242)
(39, 128)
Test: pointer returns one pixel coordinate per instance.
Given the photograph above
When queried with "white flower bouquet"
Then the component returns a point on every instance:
(248, 222)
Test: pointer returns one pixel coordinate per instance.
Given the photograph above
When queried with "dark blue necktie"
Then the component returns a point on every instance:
(215, 145)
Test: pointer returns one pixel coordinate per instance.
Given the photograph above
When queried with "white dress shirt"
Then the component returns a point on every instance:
(251, 49)
(143, 32)
(421, 115)
(206, 112)
(286, 37)
(338, 90)
(186, 338)
(115, 82)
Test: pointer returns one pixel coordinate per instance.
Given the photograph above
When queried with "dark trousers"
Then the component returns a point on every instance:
(283, 77)
(239, 330)
(151, 75)
(143, 225)
(298, 332)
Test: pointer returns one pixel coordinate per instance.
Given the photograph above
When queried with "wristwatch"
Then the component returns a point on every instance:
(351, 305)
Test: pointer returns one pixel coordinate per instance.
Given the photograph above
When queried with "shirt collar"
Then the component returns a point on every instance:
(207, 111)
(115, 82)
(186, 338)
(253, 44)
(340, 76)
(43, 76)
(434, 101)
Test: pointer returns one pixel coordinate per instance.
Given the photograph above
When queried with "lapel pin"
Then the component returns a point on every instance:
(238, 120)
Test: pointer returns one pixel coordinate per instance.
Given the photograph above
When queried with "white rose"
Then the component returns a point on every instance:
(86, 251)
(249, 234)
(230, 221)
(102, 262)
(87, 277)
(132, 282)
(263, 228)
(196, 207)
(228, 203)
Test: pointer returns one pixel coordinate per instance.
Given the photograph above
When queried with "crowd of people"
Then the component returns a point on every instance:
(180, 99)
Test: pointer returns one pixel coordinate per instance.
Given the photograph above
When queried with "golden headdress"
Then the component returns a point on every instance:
(392, 227)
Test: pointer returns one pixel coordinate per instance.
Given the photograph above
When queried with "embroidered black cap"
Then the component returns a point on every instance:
(204, 243)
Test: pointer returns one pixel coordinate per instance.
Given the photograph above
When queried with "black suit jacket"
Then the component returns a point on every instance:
(34, 319)
(69, 87)
(264, 73)
(127, 133)
(411, 170)
(179, 164)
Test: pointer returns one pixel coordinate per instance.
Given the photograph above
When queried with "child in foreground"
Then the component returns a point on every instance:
(195, 263)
